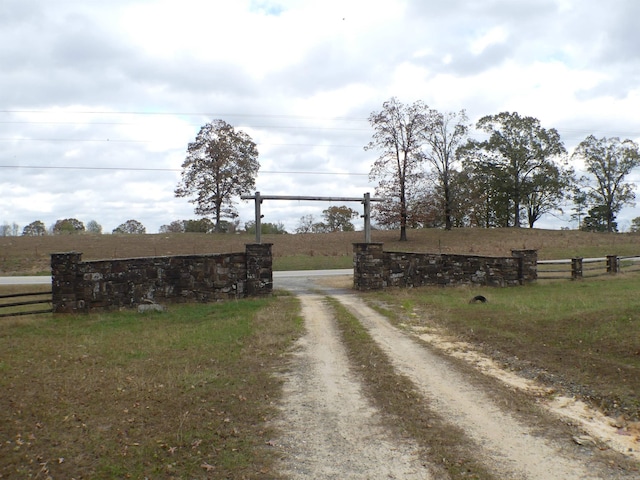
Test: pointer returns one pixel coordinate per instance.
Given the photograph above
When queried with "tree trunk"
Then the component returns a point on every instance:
(447, 207)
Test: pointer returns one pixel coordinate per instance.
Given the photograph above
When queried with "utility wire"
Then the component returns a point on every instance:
(134, 169)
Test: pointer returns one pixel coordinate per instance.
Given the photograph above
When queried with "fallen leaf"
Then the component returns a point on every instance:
(207, 467)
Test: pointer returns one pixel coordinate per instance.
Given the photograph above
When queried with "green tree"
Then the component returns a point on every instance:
(177, 226)
(68, 225)
(202, 225)
(34, 229)
(598, 220)
(266, 228)
(221, 164)
(608, 162)
(338, 219)
(546, 190)
(635, 225)
(443, 134)
(517, 152)
(398, 137)
(131, 227)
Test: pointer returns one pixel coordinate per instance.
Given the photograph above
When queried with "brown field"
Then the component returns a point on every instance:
(30, 255)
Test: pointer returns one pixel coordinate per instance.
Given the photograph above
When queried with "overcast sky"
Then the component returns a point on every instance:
(99, 99)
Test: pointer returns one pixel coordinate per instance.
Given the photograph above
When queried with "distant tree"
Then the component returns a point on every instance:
(94, 227)
(635, 225)
(338, 219)
(580, 202)
(398, 137)
(221, 164)
(443, 134)
(68, 225)
(177, 226)
(609, 161)
(266, 228)
(34, 229)
(204, 225)
(130, 227)
(598, 220)
(546, 190)
(9, 230)
(517, 152)
(305, 224)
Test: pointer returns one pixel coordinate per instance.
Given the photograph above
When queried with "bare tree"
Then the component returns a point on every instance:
(398, 137)
(444, 133)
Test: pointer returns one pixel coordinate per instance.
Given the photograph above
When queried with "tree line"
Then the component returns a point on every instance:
(434, 175)
(334, 219)
(429, 170)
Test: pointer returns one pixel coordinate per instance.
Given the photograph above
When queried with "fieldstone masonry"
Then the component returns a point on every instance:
(83, 287)
(375, 269)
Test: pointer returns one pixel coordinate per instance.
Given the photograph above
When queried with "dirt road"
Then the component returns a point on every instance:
(331, 430)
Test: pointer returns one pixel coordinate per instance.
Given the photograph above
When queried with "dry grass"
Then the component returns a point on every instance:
(406, 412)
(184, 394)
(30, 255)
(579, 337)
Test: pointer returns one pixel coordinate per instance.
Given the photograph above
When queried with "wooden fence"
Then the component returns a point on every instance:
(16, 304)
(578, 268)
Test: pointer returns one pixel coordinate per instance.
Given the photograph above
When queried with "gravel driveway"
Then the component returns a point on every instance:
(332, 431)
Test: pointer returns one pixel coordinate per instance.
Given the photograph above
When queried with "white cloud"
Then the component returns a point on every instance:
(120, 88)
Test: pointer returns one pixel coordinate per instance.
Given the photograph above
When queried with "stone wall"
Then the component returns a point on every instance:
(103, 285)
(376, 269)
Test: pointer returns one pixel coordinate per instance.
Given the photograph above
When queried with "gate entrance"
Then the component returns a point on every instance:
(365, 200)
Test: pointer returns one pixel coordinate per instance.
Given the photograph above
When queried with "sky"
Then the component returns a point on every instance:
(99, 99)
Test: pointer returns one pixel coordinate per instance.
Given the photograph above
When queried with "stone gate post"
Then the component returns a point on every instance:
(64, 278)
(259, 269)
(368, 266)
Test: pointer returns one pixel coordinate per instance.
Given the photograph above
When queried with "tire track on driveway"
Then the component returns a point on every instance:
(505, 444)
(331, 431)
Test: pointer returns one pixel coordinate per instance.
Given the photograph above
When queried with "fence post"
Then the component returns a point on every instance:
(613, 264)
(576, 268)
(527, 265)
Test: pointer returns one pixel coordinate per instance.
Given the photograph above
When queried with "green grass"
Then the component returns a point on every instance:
(307, 262)
(580, 336)
(183, 394)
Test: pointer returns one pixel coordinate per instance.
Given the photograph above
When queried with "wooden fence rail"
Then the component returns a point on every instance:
(11, 308)
(578, 268)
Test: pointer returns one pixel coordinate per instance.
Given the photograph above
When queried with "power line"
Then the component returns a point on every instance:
(200, 114)
(134, 169)
(108, 140)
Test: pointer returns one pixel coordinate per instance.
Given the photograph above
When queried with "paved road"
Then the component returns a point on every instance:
(42, 280)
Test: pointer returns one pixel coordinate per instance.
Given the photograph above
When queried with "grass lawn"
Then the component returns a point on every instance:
(182, 394)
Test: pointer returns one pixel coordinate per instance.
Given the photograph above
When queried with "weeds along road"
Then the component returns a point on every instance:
(333, 430)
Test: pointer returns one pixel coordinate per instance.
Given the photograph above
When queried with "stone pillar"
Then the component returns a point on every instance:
(613, 264)
(259, 269)
(576, 268)
(368, 266)
(528, 266)
(64, 282)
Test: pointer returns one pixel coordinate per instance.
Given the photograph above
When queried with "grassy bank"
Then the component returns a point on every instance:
(30, 255)
(581, 337)
(183, 394)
